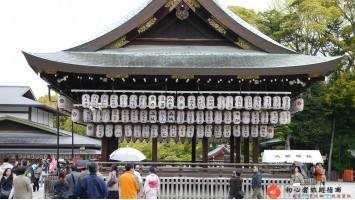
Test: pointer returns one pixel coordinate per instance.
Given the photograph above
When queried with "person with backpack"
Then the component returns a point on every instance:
(112, 183)
(91, 186)
(61, 188)
(151, 186)
(72, 180)
(29, 172)
(235, 186)
(44, 172)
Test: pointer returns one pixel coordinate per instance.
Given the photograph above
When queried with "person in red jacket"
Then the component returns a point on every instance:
(319, 173)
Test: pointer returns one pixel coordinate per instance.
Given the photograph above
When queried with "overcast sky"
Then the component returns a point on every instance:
(49, 26)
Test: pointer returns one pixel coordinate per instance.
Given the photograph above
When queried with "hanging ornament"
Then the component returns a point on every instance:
(97, 117)
(162, 116)
(200, 131)
(181, 102)
(115, 115)
(245, 131)
(209, 117)
(128, 131)
(200, 117)
(221, 102)
(90, 130)
(238, 102)
(109, 130)
(190, 130)
(254, 131)
(201, 102)
(270, 132)
(236, 131)
(153, 116)
(152, 99)
(87, 115)
(118, 131)
(227, 117)
(105, 115)
(171, 116)
(133, 104)
(104, 101)
(125, 116)
(113, 101)
(248, 102)
(246, 117)
(255, 117)
(190, 117)
(286, 103)
(227, 131)
(100, 131)
(229, 102)
(145, 131)
(95, 100)
(75, 115)
(267, 102)
(236, 117)
(257, 103)
(264, 117)
(283, 118)
(143, 115)
(173, 131)
(134, 116)
(154, 131)
(180, 117)
(208, 131)
(137, 131)
(276, 100)
(217, 131)
(218, 117)
(263, 131)
(210, 102)
(274, 117)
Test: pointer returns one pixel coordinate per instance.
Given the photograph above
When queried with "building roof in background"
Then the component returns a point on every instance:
(217, 151)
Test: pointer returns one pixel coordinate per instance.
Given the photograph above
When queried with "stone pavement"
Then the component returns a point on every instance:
(39, 194)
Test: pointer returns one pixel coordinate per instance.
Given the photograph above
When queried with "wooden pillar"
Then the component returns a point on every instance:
(108, 145)
(193, 150)
(155, 150)
(246, 150)
(237, 150)
(231, 148)
(205, 151)
(255, 150)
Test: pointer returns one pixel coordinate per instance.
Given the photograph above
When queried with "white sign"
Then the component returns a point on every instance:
(170, 102)
(161, 101)
(113, 101)
(173, 131)
(267, 102)
(218, 117)
(201, 102)
(208, 131)
(145, 131)
(190, 117)
(254, 131)
(118, 131)
(209, 117)
(229, 102)
(162, 116)
(153, 116)
(190, 130)
(154, 131)
(134, 116)
(210, 102)
(270, 132)
(246, 117)
(94, 100)
(109, 130)
(257, 103)
(123, 101)
(264, 117)
(200, 131)
(100, 131)
(181, 102)
(105, 115)
(236, 117)
(236, 130)
(274, 117)
(143, 116)
(90, 130)
(97, 116)
(104, 100)
(227, 117)
(115, 115)
(182, 131)
(125, 116)
(200, 115)
(221, 102)
(255, 117)
(137, 131)
(171, 116)
(75, 115)
(133, 104)
(217, 131)
(152, 99)
(87, 115)
(227, 131)
(85, 100)
(142, 101)
(191, 102)
(180, 117)
(263, 131)
(238, 102)
(276, 100)
(128, 130)
(286, 103)
(248, 102)
(245, 131)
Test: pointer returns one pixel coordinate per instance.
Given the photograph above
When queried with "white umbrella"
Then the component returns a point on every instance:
(127, 154)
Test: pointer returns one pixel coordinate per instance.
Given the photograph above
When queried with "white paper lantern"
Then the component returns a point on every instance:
(209, 117)
(137, 131)
(246, 117)
(170, 102)
(94, 100)
(288, 114)
(145, 131)
(267, 102)
(104, 100)
(221, 102)
(97, 116)
(264, 117)
(200, 131)
(133, 104)
(255, 117)
(85, 100)
(218, 117)
(283, 117)
(238, 102)
(227, 131)
(128, 130)
(123, 101)
(236, 131)
(210, 102)
(154, 131)
(143, 101)
(190, 117)
(297, 105)
(181, 102)
(191, 102)
(162, 116)
(190, 131)
(201, 102)
(180, 117)
(134, 116)
(270, 132)
(153, 116)
(217, 131)
(118, 131)
(248, 102)
(115, 115)
(286, 103)
(100, 131)
(62, 102)
(161, 101)
(245, 131)
(152, 101)
(87, 115)
(227, 117)
(143, 115)
(274, 117)
(173, 131)
(263, 131)
(182, 131)
(229, 102)
(109, 130)
(276, 102)
(105, 115)
(90, 130)
(200, 115)
(208, 131)
(113, 101)
(125, 116)
(254, 131)
(257, 103)
(236, 117)
(75, 115)
(171, 116)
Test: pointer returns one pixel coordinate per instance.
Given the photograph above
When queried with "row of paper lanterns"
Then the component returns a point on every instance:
(182, 131)
(180, 117)
(191, 102)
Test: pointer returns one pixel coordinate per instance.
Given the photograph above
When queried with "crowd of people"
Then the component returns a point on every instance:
(20, 180)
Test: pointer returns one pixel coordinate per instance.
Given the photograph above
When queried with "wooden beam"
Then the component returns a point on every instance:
(231, 147)
(108, 145)
(193, 149)
(237, 150)
(205, 151)
(155, 150)
(255, 150)
(246, 150)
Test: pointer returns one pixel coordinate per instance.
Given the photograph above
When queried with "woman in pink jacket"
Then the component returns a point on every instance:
(151, 185)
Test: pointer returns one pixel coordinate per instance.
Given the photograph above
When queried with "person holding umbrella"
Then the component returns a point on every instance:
(298, 177)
